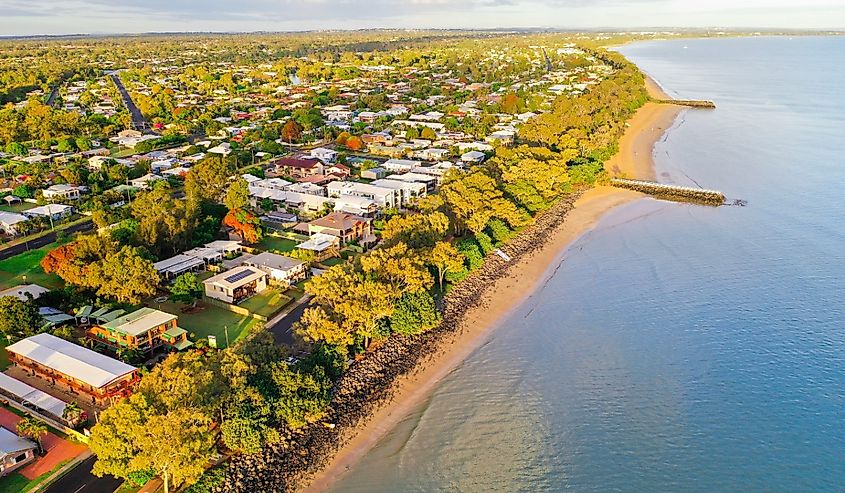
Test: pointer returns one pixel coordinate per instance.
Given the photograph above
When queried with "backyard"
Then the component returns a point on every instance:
(13, 270)
(276, 243)
(268, 303)
(209, 319)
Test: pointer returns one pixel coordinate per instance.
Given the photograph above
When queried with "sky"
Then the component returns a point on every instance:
(29, 17)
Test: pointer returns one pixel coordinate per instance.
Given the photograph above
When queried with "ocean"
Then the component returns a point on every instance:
(676, 347)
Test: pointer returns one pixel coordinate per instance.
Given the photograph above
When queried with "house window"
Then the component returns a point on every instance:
(19, 458)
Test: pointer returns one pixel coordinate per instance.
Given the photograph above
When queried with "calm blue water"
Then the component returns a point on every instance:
(677, 348)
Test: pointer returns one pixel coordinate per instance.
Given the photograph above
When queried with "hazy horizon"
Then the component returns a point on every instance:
(45, 17)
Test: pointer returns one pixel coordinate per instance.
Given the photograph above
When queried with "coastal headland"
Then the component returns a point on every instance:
(384, 388)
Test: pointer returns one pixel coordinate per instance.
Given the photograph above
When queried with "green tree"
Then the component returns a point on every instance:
(18, 319)
(237, 197)
(445, 258)
(428, 134)
(414, 313)
(34, 429)
(186, 288)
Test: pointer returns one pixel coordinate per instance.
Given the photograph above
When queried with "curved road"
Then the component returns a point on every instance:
(43, 240)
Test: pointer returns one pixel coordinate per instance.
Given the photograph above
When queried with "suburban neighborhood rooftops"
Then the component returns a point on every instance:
(338, 220)
(319, 242)
(75, 361)
(139, 321)
(294, 162)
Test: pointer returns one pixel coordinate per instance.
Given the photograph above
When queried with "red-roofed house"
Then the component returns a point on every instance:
(299, 167)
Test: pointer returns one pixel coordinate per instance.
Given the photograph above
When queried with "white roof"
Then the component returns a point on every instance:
(224, 245)
(21, 291)
(318, 242)
(87, 366)
(237, 277)
(30, 394)
(178, 264)
(13, 444)
(11, 218)
(274, 261)
(48, 210)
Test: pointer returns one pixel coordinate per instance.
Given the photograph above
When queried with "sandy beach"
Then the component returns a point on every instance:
(634, 160)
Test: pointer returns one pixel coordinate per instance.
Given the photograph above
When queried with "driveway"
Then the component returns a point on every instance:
(58, 449)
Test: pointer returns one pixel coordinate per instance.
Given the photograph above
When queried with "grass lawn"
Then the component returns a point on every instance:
(23, 206)
(267, 303)
(26, 264)
(209, 320)
(16, 483)
(270, 243)
(330, 262)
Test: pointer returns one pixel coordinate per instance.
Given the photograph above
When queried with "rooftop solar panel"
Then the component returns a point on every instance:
(240, 275)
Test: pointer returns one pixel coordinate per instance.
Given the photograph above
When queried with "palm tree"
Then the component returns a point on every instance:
(34, 429)
(72, 413)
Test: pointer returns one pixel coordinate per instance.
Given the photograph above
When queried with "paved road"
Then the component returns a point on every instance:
(281, 329)
(80, 480)
(44, 240)
(138, 120)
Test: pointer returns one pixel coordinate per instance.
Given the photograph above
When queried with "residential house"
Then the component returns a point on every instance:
(323, 245)
(374, 173)
(281, 269)
(236, 285)
(299, 167)
(25, 292)
(62, 192)
(143, 330)
(324, 155)
(344, 226)
(473, 157)
(145, 182)
(8, 221)
(15, 452)
(50, 211)
(433, 154)
(400, 165)
(359, 206)
(81, 370)
(409, 190)
(383, 197)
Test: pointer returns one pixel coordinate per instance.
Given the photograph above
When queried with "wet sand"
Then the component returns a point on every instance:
(634, 160)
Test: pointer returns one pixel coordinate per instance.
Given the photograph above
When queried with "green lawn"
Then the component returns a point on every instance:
(13, 270)
(16, 483)
(209, 320)
(267, 303)
(330, 262)
(23, 206)
(271, 243)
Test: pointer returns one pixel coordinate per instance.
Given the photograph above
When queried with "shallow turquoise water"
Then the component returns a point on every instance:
(677, 347)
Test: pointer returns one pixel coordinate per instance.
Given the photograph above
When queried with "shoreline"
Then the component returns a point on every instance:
(379, 391)
(476, 325)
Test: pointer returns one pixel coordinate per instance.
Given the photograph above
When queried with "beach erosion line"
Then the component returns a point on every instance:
(376, 393)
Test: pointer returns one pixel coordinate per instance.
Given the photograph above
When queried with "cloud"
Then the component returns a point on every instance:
(65, 16)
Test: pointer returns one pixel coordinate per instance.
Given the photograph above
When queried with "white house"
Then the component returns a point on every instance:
(400, 165)
(224, 149)
(62, 192)
(280, 268)
(324, 155)
(473, 157)
(236, 285)
(383, 197)
(145, 181)
(433, 154)
(8, 221)
(15, 452)
(409, 190)
(54, 211)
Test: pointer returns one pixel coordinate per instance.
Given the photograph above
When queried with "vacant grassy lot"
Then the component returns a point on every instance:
(267, 303)
(23, 206)
(208, 320)
(274, 243)
(13, 270)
